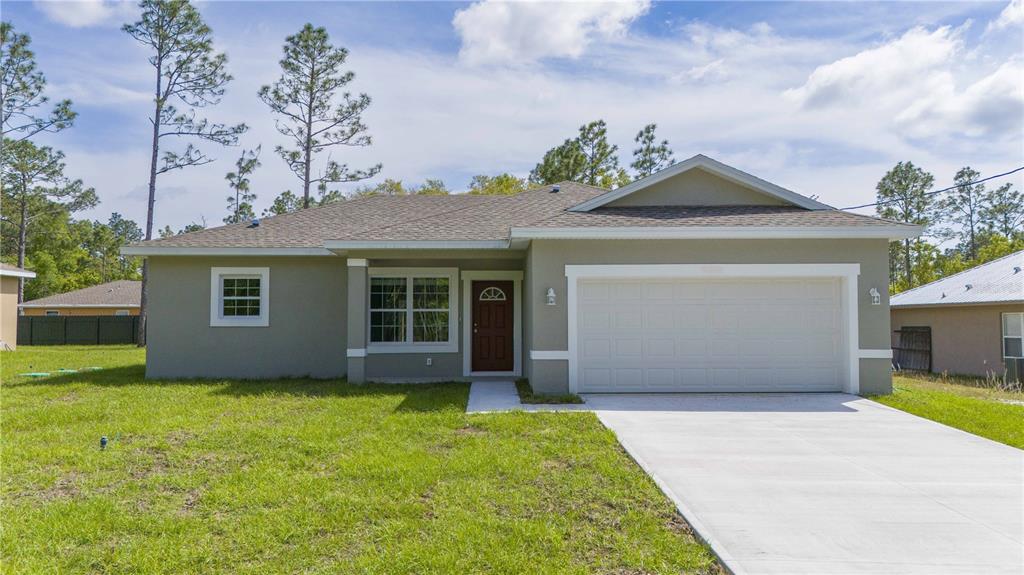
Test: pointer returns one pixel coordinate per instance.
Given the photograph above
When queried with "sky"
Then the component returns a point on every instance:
(820, 98)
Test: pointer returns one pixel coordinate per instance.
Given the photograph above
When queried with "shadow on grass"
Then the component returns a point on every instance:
(424, 397)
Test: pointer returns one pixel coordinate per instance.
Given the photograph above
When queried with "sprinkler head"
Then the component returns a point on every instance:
(103, 442)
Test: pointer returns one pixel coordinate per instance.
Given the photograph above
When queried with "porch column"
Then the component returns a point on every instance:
(357, 321)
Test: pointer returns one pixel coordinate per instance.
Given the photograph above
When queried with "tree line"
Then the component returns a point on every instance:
(985, 223)
(318, 118)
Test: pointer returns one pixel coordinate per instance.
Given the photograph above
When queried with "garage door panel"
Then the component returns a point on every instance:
(709, 335)
(628, 319)
(629, 348)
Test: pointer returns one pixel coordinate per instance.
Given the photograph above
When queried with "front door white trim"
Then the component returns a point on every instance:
(846, 273)
(516, 277)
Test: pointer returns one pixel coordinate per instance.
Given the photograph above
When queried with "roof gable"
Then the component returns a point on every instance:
(700, 181)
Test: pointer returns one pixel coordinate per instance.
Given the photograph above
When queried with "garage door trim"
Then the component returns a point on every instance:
(846, 273)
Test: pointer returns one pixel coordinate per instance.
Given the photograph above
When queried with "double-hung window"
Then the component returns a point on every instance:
(239, 297)
(412, 310)
(1013, 335)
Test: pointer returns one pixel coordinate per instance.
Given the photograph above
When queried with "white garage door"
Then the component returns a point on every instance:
(655, 335)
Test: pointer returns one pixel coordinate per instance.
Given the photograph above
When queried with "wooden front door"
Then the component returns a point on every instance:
(492, 326)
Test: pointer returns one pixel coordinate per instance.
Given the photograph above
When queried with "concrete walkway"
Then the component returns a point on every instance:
(494, 396)
(818, 483)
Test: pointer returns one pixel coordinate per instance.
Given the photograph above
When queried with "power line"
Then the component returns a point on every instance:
(940, 191)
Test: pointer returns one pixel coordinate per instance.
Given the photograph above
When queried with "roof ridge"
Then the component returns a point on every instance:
(961, 272)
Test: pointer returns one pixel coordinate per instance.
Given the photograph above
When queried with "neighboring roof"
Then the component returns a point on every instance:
(998, 281)
(15, 271)
(463, 221)
(120, 293)
(721, 170)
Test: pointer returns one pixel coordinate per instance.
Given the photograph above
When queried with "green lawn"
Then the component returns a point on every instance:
(312, 477)
(962, 403)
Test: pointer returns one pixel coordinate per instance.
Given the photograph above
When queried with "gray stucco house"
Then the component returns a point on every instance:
(697, 278)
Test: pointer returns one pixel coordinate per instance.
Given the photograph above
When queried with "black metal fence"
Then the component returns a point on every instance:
(77, 330)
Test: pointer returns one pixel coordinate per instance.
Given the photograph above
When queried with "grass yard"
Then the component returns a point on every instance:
(962, 403)
(312, 477)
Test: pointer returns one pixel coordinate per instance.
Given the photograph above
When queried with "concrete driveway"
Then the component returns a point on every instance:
(827, 483)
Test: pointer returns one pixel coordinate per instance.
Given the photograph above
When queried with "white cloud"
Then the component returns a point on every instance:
(993, 104)
(891, 73)
(84, 13)
(493, 31)
(922, 83)
(1012, 15)
(435, 116)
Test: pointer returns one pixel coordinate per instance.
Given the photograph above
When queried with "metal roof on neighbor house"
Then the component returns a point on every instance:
(120, 293)
(998, 281)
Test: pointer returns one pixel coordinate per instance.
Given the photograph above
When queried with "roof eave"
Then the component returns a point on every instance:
(76, 305)
(17, 273)
(954, 304)
(144, 250)
(720, 232)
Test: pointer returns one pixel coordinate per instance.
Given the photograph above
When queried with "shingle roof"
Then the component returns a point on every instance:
(998, 281)
(126, 293)
(463, 217)
(727, 216)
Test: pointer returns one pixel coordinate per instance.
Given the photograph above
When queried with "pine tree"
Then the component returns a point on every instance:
(650, 156)
(561, 163)
(240, 203)
(902, 196)
(22, 89)
(964, 207)
(304, 98)
(1003, 211)
(188, 71)
(33, 187)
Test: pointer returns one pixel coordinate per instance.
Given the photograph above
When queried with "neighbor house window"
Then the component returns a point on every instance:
(1013, 335)
(239, 297)
(121, 312)
(52, 312)
(412, 310)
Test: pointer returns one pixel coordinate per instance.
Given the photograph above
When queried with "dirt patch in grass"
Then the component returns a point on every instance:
(470, 429)
(66, 487)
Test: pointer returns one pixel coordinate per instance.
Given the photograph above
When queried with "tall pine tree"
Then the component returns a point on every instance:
(240, 203)
(902, 196)
(304, 97)
(650, 156)
(22, 89)
(963, 206)
(187, 71)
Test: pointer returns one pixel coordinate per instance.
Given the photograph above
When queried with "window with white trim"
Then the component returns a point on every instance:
(239, 297)
(52, 312)
(412, 310)
(1013, 335)
(121, 312)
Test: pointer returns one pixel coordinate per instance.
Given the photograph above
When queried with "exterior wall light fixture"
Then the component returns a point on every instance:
(876, 298)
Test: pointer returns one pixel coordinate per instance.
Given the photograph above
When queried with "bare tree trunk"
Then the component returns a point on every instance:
(906, 262)
(144, 299)
(308, 147)
(22, 240)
